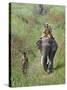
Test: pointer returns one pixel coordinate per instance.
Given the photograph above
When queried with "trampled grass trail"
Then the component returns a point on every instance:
(37, 76)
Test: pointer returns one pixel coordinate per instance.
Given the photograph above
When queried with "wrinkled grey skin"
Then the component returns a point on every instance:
(48, 48)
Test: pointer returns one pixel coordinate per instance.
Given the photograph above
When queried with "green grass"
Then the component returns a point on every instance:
(25, 35)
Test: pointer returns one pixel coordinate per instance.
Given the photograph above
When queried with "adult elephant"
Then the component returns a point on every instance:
(48, 48)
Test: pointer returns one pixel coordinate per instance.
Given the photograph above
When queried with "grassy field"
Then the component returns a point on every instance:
(26, 29)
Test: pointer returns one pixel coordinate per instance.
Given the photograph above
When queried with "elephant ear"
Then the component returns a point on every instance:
(39, 43)
(54, 45)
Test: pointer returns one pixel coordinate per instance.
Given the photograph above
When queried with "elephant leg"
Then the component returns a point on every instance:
(52, 54)
(45, 62)
(46, 53)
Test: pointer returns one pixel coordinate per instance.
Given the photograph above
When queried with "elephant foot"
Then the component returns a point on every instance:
(49, 71)
(45, 68)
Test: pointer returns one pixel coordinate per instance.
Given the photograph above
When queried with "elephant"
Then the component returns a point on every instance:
(48, 48)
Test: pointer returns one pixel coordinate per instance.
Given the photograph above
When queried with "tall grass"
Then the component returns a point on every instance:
(24, 36)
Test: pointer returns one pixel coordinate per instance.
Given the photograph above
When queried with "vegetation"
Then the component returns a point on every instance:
(26, 29)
